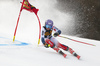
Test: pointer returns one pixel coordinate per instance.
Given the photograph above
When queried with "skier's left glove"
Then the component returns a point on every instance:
(46, 45)
(56, 34)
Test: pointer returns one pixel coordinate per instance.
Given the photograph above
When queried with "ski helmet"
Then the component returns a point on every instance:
(49, 23)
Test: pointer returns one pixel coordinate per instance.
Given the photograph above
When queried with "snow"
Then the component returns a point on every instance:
(25, 50)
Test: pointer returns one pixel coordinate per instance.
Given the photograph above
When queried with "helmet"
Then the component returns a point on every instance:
(49, 24)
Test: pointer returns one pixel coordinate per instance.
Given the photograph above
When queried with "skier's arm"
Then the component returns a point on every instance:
(57, 31)
(42, 36)
(43, 41)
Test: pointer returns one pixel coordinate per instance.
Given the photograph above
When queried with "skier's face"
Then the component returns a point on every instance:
(48, 28)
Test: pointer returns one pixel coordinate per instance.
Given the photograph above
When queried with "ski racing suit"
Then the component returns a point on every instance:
(48, 38)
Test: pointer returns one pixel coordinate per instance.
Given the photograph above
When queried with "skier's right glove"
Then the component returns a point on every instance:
(46, 45)
(56, 34)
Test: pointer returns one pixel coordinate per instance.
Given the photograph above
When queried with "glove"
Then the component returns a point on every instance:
(56, 34)
(46, 45)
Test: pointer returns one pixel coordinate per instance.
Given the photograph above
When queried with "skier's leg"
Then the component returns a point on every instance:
(66, 48)
(59, 51)
(52, 45)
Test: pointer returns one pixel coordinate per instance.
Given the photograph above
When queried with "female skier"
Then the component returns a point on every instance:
(49, 41)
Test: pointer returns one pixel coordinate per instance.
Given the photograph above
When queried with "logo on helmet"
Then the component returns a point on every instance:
(49, 23)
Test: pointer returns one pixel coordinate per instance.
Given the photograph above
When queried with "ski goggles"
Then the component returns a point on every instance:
(48, 26)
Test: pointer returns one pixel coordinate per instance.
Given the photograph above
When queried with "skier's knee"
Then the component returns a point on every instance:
(67, 48)
(53, 46)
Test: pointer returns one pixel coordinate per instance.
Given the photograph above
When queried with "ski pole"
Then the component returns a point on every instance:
(77, 41)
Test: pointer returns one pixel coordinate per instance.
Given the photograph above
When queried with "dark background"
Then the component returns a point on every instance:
(87, 13)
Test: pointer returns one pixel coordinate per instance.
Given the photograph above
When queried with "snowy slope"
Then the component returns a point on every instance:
(31, 54)
(26, 52)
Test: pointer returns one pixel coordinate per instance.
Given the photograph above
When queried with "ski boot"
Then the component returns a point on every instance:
(73, 53)
(59, 51)
(76, 55)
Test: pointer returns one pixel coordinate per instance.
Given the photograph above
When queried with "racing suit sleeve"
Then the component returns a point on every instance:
(56, 30)
(42, 36)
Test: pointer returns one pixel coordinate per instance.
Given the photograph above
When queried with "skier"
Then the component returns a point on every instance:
(49, 41)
